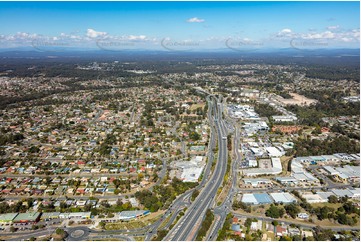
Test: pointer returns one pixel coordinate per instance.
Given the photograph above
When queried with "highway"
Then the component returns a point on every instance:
(183, 200)
(187, 227)
(222, 210)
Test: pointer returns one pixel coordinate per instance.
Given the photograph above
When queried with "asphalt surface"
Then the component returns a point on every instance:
(187, 227)
(183, 200)
(221, 211)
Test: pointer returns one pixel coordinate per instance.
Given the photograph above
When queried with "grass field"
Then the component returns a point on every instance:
(195, 106)
(139, 238)
(330, 205)
(284, 162)
(135, 224)
(165, 221)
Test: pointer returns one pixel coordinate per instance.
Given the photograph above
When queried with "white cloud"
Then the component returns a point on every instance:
(195, 20)
(333, 27)
(135, 37)
(91, 33)
(286, 31)
(322, 35)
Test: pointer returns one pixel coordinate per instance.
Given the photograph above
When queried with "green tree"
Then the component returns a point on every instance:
(332, 199)
(292, 209)
(275, 211)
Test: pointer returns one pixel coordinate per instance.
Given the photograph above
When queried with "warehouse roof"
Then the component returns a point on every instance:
(355, 191)
(257, 180)
(325, 195)
(304, 176)
(262, 198)
(283, 197)
(341, 192)
(349, 171)
(276, 163)
(313, 198)
(273, 152)
(249, 198)
(287, 179)
(330, 170)
(256, 198)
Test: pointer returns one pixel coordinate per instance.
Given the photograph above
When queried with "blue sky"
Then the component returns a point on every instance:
(180, 24)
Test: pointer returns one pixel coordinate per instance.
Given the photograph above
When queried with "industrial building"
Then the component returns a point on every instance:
(299, 173)
(261, 171)
(322, 197)
(283, 197)
(274, 152)
(255, 182)
(325, 195)
(314, 198)
(342, 192)
(256, 198)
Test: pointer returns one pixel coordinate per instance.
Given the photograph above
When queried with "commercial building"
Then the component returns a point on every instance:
(33, 217)
(49, 216)
(191, 170)
(7, 218)
(128, 215)
(191, 174)
(78, 215)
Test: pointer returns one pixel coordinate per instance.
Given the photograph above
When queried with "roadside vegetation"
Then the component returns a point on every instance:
(206, 224)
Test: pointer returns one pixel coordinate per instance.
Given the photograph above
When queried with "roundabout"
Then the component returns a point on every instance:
(77, 233)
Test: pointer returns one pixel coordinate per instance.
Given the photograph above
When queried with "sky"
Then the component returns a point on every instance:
(179, 25)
